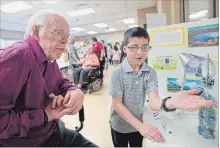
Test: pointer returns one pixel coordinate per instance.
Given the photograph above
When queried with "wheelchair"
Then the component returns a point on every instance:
(93, 81)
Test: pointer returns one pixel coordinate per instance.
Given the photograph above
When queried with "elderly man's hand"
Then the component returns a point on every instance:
(73, 101)
(55, 113)
(57, 100)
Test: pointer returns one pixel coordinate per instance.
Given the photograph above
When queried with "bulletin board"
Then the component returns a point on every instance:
(163, 44)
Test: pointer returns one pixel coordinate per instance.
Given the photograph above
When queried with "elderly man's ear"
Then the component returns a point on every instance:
(35, 32)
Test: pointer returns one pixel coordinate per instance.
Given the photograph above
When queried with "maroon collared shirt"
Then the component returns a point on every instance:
(26, 81)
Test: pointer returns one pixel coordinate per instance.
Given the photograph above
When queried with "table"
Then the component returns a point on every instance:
(184, 131)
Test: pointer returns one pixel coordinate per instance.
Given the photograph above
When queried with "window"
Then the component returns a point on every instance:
(6, 42)
(193, 10)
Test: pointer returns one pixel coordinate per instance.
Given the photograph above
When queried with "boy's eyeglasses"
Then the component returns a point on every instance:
(136, 48)
(59, 33)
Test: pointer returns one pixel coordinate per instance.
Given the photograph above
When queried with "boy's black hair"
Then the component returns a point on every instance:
(135, 32)
(94, 39)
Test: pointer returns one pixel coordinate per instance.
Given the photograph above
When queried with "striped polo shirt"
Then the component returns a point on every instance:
(132, 87)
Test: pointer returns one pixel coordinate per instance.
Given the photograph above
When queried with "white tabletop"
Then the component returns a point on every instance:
(184, 131)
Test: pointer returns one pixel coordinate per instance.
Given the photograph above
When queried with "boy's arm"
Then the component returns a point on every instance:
(116, 91)
(153, 95)
(154, 101)
(152, 90)
(126, 114)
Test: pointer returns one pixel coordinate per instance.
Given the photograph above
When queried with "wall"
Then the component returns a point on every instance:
(217, 8)
(142, 15)
(172, 10)
(176, 50)
(12, 35)
(114, 36)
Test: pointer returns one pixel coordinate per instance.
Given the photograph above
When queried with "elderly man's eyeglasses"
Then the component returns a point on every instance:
(136, 48)
(59, 33)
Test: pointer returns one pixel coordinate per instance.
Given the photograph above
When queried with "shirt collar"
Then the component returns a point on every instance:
(38, 52)
(127, 67)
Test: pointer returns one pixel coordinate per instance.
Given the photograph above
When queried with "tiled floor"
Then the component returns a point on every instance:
(97, 108)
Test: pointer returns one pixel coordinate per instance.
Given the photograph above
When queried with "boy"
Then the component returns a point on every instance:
(131, 80)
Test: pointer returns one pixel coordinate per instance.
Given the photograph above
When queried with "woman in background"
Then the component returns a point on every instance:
(116, 55)
(90, 62)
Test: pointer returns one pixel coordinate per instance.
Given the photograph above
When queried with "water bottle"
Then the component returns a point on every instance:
(207, 118)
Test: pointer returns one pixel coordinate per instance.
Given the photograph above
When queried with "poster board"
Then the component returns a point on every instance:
(176, 49)
(167, 37)
(164, 62)
(203, 36)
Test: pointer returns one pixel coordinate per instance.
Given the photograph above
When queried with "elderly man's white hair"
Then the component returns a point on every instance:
(40, 18)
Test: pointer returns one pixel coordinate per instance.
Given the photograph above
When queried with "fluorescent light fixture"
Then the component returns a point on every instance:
(78, 29)
(15, 6)
(81, 12)
(101, 25)
(203, 13)
(111, 29)
(129, 21)
(91, 32)
(35, 2)
(51, 2)
(132, 26)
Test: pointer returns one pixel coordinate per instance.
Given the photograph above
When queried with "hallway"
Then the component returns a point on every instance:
(97, 110)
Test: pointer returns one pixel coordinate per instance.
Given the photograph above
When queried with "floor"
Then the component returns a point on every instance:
(97, 110)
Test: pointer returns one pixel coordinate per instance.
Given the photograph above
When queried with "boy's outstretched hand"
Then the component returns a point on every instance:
(186, 100)
(151, 132)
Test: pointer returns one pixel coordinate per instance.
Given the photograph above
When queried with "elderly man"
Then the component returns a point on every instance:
(33, 93)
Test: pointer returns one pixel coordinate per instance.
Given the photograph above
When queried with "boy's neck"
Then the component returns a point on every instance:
(136, 68)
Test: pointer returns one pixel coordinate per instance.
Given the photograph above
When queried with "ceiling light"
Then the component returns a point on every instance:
(15, 6)
(51, 2)
(78, 29)
(132, 26)
(129, 21)
(100, 9)
(91, 32)
(101, 25)
(81, 12)
(111, 29)
(35, 2)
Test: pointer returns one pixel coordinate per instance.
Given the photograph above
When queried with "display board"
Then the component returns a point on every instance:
(164, 55)
(199, 38)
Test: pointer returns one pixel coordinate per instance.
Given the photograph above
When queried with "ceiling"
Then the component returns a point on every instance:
(108, 12)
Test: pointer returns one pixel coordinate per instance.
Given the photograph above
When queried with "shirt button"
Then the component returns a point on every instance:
(55, 130)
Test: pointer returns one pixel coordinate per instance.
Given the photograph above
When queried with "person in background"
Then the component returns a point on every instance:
(131, 81)
(123, 54)
(73, 55)
(121, 45)
(106, 58)
(99, 51)
(91, 61)
(116, 55)
(33, 93)
(110, 53)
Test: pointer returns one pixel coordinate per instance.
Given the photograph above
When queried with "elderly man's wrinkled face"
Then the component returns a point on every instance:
(55, 37)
